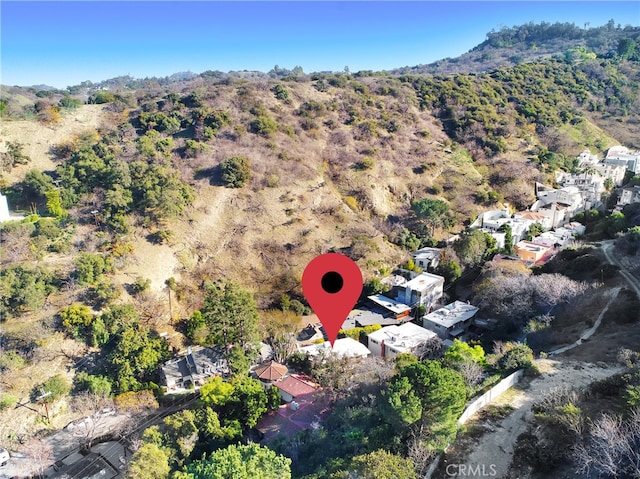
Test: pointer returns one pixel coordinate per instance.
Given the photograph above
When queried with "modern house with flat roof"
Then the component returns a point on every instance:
(393, 340)
(397, 309)
(450, 321)
(532, 252)
(342, 348)
(425, 289)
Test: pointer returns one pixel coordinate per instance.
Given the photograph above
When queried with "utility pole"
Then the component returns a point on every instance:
(46, 406)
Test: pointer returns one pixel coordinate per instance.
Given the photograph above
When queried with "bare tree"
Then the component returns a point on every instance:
(95, 408)
(40, 456)
(471, 371)
(612, 447)
(419, 452)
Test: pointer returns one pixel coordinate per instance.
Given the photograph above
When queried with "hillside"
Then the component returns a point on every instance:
(138, 193)
(530, 42)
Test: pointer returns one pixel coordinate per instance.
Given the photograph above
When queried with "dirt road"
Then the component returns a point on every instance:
(494, 450)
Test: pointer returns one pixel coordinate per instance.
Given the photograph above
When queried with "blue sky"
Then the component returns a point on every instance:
(64, 43)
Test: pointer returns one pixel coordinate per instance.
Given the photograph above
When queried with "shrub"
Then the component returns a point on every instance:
(11, 360)
(7, 401)
(351, 203)
(272, 181)
(57, 385)
(365, 164)
(264, 126)
(140, 285)
(280, 92)
(70, 103)
(236, 171)
(102, 97)
(76, 318)
(100, 385)
(135, 401)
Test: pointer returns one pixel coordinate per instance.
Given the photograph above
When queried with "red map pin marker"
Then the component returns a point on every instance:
(332, 284)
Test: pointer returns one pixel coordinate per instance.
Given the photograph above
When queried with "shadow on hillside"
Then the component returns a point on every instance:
(213, 174)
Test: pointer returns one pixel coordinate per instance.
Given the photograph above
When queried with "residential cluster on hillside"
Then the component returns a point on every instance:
(394, 327)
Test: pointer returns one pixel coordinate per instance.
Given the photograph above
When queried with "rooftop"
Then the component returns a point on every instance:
(452, 314)
(407, 336)
(529, 246)
(430, 253)
(362, 317)
(423, 281)
(271, 371)
(344, 347)
(296, 385)
(388, 303)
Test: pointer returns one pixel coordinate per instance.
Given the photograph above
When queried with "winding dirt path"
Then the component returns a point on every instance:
(494, 450)
(631, 279)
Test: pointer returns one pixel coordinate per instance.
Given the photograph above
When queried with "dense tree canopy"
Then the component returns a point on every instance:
(428, 392)
(240, 462)
(228, 318)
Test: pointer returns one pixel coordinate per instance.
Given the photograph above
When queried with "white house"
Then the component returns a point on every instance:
(427, 257)
(559, 205)
(342, 348)
(451, 320)
(622, 156)
(629, 195)
(393, 340)
(425, 289)
(4, 209)
(491, 221)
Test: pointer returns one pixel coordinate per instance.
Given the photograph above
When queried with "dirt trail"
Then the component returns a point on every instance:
(494, 450)
(631, 279)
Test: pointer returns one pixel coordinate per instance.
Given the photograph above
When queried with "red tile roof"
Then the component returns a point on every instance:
(271, 371)
(296, 385)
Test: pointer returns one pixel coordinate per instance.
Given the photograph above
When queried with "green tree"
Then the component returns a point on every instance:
(24, 288)
(381, 464)
(428, 392)
(57, 385)
(508, 239)
(135, 357)
(474, 246)
(461, 351)
(236, 171)
(434, 212)
(249, 401)
(216, 391)
(149, 462)
(54, 203)
(231, 316)
(626, 48)
(450, 269)
(180, 434)
(76, 318)
(90, 266)
(240, 462)
(536, 229)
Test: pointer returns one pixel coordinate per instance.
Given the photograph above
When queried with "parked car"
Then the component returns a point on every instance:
(4, 456)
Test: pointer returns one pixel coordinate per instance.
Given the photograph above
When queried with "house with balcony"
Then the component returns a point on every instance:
(450, 321)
